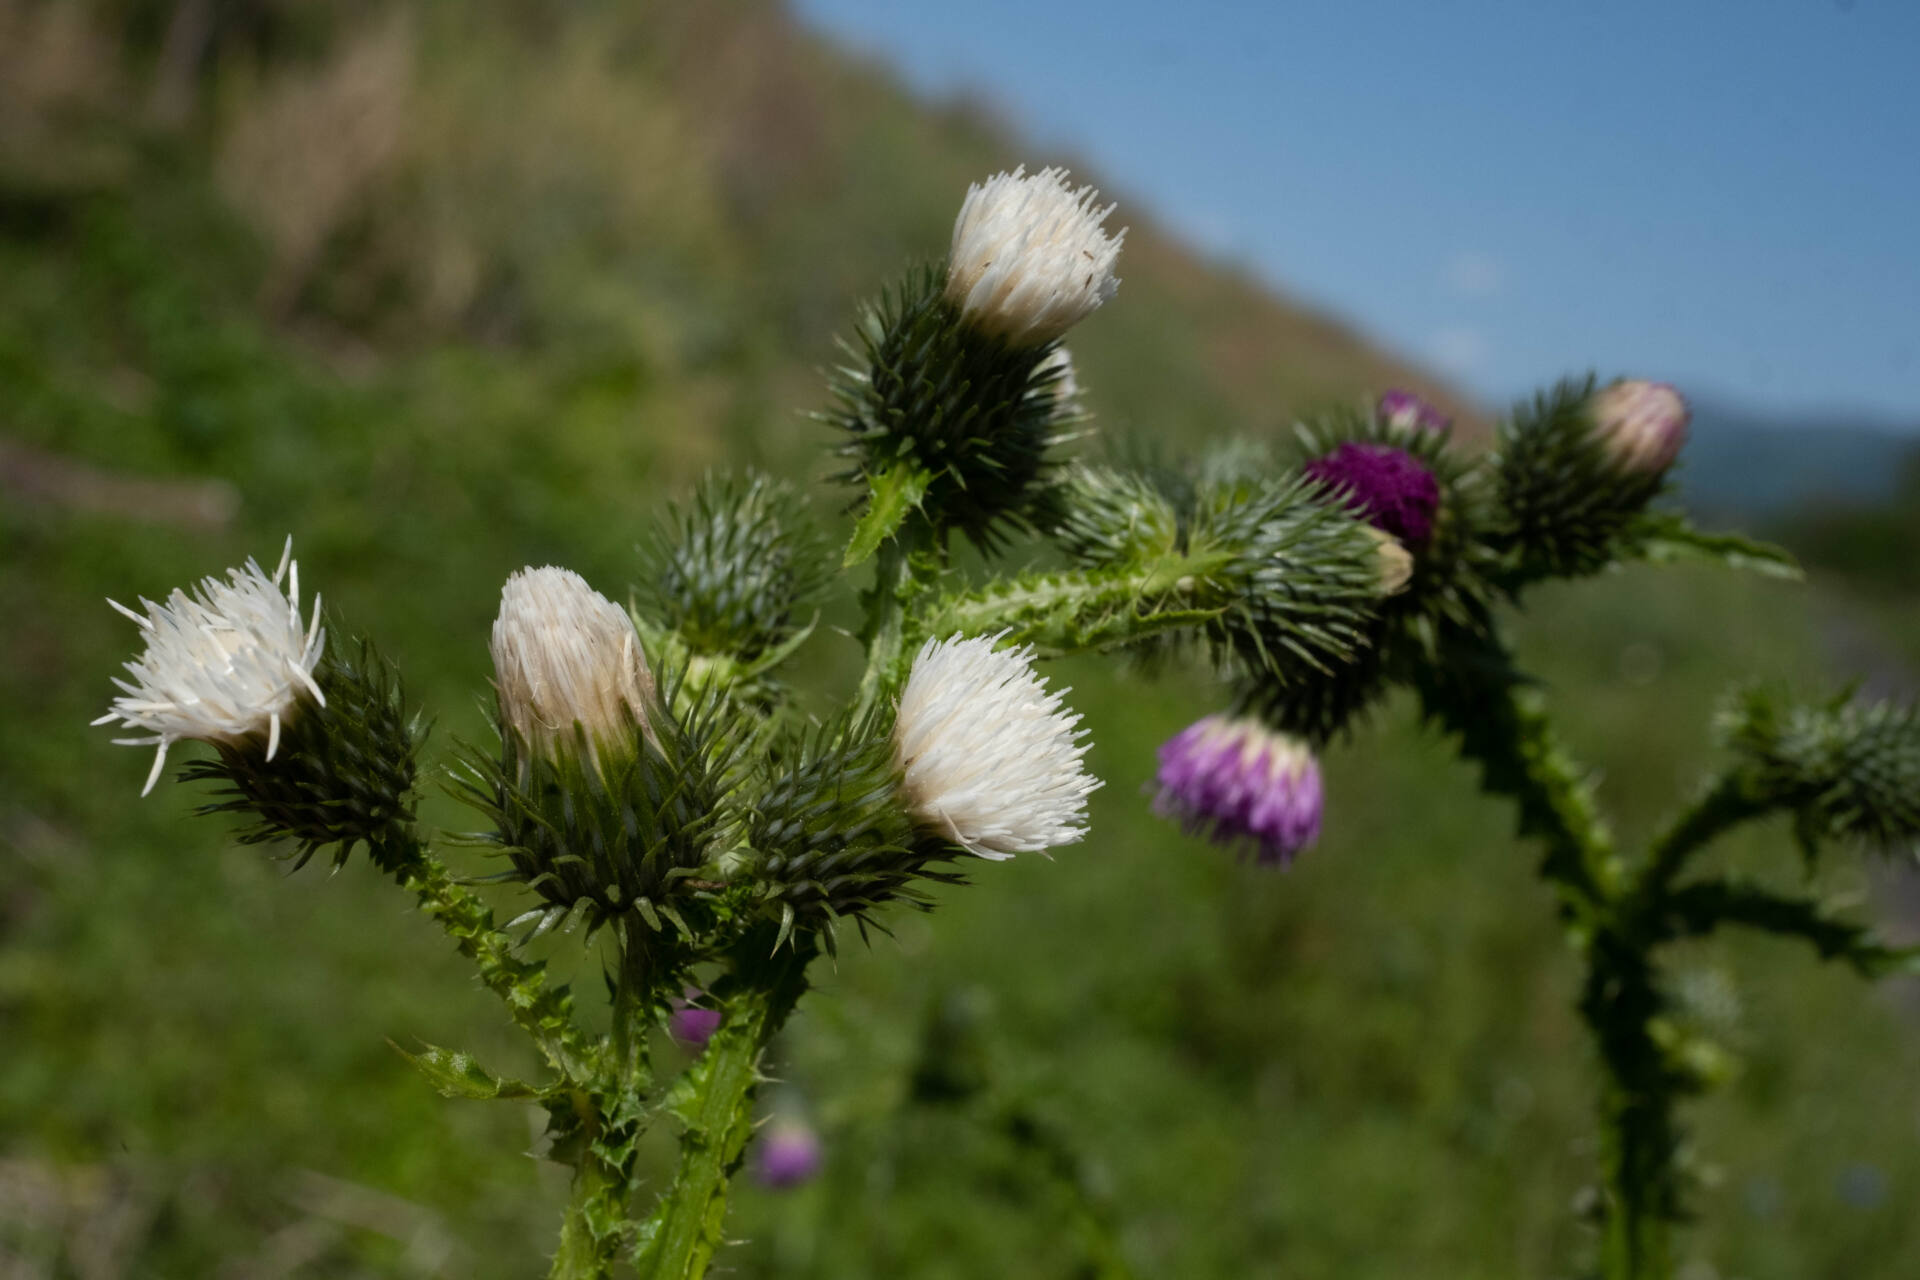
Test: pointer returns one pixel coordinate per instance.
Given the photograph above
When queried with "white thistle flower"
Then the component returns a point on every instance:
(226, 664)
(1029, 258)
(563, 654)
(990, 758)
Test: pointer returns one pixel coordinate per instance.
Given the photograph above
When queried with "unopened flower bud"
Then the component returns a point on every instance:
(1242, 784)
(230, 664)
(1029, 258)
(1396, 563)
(1642, 425)
(1405, 410)
(789, 1154)
(565, 656)
(988, 757)
(1389, 488)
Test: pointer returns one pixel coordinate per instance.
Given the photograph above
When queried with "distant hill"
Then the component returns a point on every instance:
(1748, 464)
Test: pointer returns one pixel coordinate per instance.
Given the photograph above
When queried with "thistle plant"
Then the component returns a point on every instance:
(653, 789)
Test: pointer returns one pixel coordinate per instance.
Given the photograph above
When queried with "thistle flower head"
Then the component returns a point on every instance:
(789, 1154)
(1407, 411)
(1641, 425)
(1242, 784)
(229, 664)
(1388, 487)
(988, 757)
(565, 655)
(1029, 258)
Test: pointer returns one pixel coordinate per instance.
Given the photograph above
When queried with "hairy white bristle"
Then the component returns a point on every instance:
(1029, 258)
(563, 654)
(990, 758)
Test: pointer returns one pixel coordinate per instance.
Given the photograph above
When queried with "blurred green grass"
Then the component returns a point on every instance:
(565, 276)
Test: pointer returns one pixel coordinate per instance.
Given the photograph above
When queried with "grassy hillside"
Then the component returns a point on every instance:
(453, 288)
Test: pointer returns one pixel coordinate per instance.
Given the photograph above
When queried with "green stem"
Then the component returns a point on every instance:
(1638, 1138)
(1723, 806)
(1084, 611)
(714, 1100)
(885, 631)
(542, 1011)
(597, 1224)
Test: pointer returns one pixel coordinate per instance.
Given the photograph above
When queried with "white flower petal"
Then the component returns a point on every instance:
(1029, 258)
(227, 663)
(989, 757)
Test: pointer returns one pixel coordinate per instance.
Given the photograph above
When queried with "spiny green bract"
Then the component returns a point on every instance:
(1847, 769)
(935, 395)
(830, 838)
(1302, 578)
(343, 774)
(1562, 510)
(610, 830)
(737, 569)
(1108, 517)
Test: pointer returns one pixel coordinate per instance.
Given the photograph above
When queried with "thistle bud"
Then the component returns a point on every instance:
(1029, 258)
(1641, 425)
(988, 758)
(602, 799)
(1396, 563)
(1405, 411)
(1242, 784)
(1389, 488)
(230, 664)
(567, 660)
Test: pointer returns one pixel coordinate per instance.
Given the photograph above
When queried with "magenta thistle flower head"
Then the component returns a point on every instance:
(1640, 424)
(1405, 409)
(690, 1024)
(788, 1155)
(1389, 488)
(1242, 784)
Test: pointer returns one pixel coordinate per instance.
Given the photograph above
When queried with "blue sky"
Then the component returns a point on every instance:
(1724, 194)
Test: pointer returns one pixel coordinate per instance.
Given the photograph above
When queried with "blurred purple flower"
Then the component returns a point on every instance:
(691, 1025)
(1387, 487)
(1405, 409)
(1242, 784)
(789, 1154)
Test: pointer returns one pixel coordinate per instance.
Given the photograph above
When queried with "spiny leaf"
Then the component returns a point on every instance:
(891, 495)
(456, 1075)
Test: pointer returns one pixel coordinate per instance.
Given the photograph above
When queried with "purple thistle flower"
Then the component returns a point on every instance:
(788, 1155)
(1242, 783)
(1405, 409)
(1387, 487)
(691, 1025)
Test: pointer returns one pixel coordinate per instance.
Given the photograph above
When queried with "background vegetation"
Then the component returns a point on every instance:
(445, 289)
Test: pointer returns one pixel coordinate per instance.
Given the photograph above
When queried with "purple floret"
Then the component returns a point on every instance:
(1389, 488)
(1243, 785)
(789, 1155)
(1405, 409)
